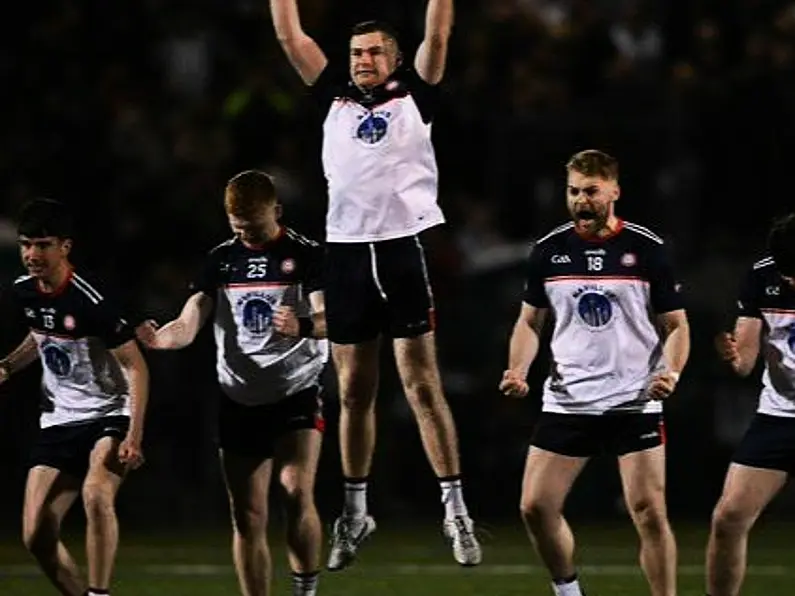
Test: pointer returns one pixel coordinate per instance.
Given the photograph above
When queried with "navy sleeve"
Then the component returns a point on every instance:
(313, 279)
(112, 323)
(664, 289)
(208, 278)
(329, 85)
(534, 292)
(426, 96)
(748, 303)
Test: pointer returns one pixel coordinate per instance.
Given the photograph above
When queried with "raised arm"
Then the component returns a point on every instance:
(523, 349)
(303, 52)
(23, 355)
(180, 332)
(432, 54)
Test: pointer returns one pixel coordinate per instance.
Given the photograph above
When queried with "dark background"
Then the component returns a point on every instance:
(137, 112)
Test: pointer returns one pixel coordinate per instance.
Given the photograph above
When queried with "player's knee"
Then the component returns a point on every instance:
(297, 498)
(249, 521)
(423, 394)
(536, 510)
(98, 499)
(649, 514)
(730, 518)
(356, 397)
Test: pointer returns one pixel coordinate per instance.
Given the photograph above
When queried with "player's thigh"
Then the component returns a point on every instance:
(643, 480)
(105, 472)
(416, 361)
(49, 494)
(354, 304)
(403, 276)
(547, 481)
(746, 493)
(297, 454)
(247, 479)
(357, 367)
(759, 469)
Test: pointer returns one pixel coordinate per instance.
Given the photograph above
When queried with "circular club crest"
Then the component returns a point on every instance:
(628, 259)
(791, 337)
(595, 309)
(372, 129)
(288, 266)
(69, 323)
(57, 360)
(257, 315)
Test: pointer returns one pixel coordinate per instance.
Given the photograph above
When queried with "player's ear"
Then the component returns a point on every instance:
(616, 192)
(278, 210)
(66, 246)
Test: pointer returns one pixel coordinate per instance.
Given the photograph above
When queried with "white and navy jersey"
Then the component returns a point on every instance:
(378, 157)
(255, 364)
(75, 327)
(603, 295)
(765, 295)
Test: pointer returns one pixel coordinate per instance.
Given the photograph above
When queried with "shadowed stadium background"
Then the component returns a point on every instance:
(137, 112)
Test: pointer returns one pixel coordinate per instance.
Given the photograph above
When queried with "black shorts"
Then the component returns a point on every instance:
(377, 288)
(768, 443)
(580, 435)
(68, 447)
(253, 430)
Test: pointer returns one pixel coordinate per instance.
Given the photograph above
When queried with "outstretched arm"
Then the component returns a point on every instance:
(303, 52)
(180, 332)
(432, 53)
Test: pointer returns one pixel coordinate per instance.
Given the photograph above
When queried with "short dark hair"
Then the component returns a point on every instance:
(249, 191)
(594, 163)
(41, 218)
(375, 26)
(781, 244)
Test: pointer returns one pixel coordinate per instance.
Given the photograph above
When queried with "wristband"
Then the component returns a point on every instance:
(306, 327)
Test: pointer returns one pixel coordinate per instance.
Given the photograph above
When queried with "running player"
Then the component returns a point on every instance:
(766, 456)
(264, 287)
(600, 277)
(382, 182)
(95, 388)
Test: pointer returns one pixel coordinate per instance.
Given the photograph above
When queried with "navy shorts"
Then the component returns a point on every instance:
(580, 435)
(768, 443)
(376, 288)
(254, 430)
(68, 447)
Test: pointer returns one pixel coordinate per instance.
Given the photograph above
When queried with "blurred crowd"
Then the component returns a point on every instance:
(136, 112)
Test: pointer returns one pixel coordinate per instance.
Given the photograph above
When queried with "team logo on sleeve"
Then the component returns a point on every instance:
(594, 306)
(373, 127)
(255, 312)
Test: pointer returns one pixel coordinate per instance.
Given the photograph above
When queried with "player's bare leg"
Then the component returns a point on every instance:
(357, 377)
(643, 481)
(548, 478)
(105, 474)
(49, 493)
(422, 384)
(298, 453)
(746, 493)
(247, 483)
